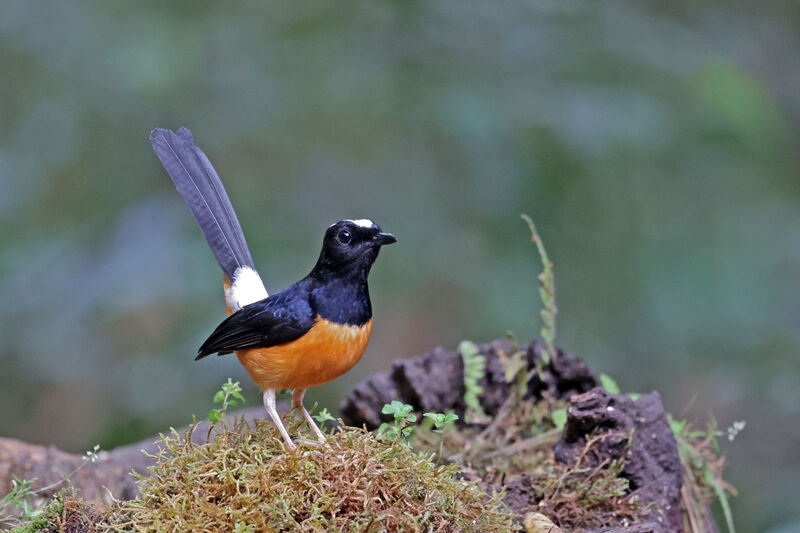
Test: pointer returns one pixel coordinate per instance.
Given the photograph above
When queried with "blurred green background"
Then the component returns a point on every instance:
(654, 143)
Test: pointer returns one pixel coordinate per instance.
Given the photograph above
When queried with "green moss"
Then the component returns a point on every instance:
(43, 520)
(577, 496)
(519, 443)
(245, 477)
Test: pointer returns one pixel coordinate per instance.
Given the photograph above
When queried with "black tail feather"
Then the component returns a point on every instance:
(201, 188)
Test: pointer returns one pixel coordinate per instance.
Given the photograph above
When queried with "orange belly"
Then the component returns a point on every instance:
(324, 353)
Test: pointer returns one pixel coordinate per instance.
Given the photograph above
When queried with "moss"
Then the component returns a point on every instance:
(517, 448)
(43, 520)
(518, 440)
(245, 480)
(576, 496)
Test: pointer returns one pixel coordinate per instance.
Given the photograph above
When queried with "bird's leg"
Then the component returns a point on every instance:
(269, 405)
(297, 398)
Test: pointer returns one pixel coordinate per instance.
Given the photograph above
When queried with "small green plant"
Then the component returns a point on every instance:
(474, 371)
(559, 418)
(609, 384)
(702, 470)
(228, 395)
(515, 367)
(440, 422)
(18, 503)
(241, 527)
(23, 503)
(39, 518)
(547, 293)
(322, 417)
(402, 426)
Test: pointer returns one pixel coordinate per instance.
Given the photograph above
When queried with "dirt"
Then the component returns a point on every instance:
(78, 518)
(639, 429)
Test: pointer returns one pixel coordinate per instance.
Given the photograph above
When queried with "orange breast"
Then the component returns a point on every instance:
(324, 353)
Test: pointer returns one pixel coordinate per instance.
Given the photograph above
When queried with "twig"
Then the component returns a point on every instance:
(526, 444)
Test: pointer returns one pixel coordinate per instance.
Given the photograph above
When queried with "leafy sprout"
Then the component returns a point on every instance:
(22, 503)
(18, 500)
(702, 470)
(401, 427)
(322, 417)
(474, 371)
(609, 384)
(229, 395)
(441, 420)
(559, 417)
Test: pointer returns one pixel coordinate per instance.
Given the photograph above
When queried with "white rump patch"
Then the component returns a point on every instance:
(246, 288)
(363, 222)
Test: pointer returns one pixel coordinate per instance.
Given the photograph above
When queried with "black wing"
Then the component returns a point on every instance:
(283, 317)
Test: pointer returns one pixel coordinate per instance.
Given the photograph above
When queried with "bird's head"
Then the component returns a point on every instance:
(351, 246)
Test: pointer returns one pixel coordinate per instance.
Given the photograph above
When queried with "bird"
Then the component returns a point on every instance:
(305, 335)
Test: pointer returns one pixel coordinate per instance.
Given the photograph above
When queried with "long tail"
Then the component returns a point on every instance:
(201, 188)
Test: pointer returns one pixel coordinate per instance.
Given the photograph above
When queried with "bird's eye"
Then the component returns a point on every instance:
(345, 236)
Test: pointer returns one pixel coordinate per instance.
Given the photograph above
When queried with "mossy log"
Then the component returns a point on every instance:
(617, 427)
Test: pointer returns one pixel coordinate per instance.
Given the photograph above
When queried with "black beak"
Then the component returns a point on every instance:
(383, 238)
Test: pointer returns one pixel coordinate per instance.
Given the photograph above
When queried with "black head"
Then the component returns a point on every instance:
(351, 246)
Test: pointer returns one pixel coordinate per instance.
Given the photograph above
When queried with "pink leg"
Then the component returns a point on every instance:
(297, 398)
(269, 405)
